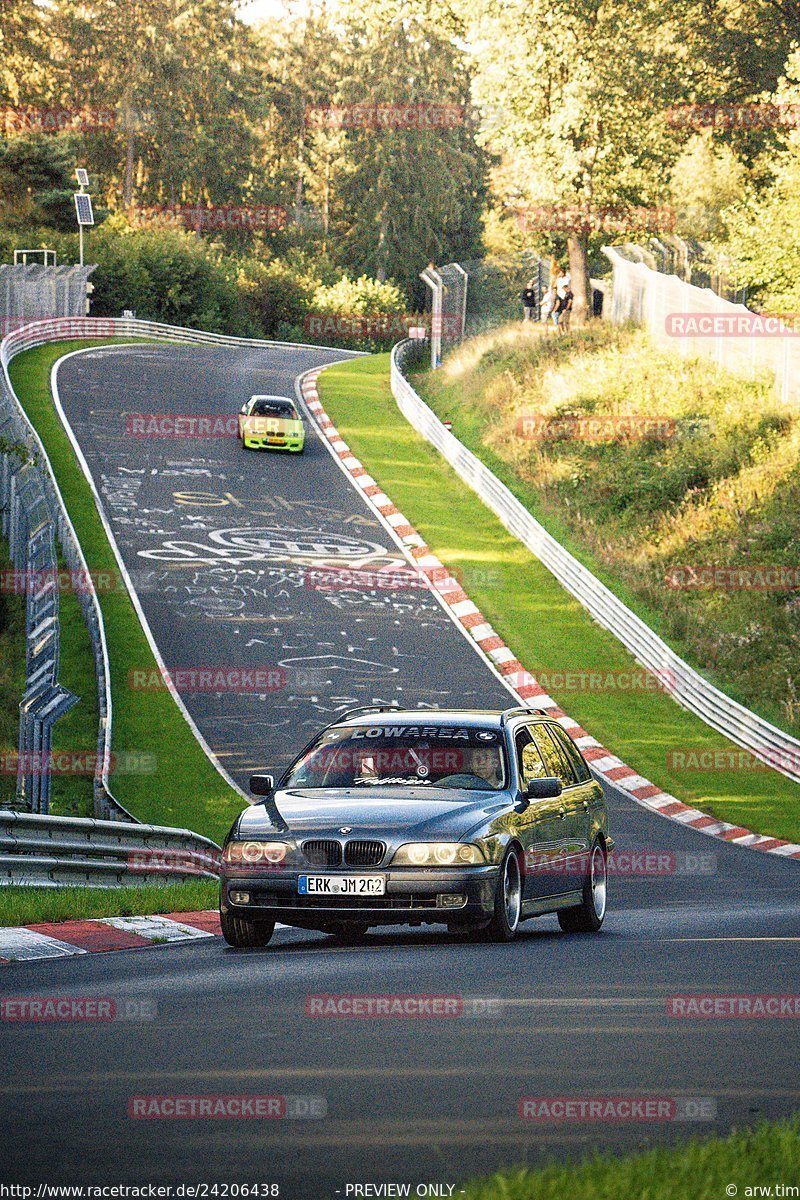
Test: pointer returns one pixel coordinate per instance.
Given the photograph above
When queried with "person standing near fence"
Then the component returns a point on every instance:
(565, 311)
(528, 299)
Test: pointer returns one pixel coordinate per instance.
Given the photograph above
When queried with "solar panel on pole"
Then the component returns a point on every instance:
(82, 176)
(83, 208)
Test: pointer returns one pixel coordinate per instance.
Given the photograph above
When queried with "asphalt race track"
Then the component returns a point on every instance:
(244, 559)
(220, 542)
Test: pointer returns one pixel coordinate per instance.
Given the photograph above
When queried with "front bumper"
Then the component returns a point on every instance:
(259, 441)
(413, 896)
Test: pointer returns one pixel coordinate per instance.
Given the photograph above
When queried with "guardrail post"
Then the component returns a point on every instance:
(40, 708)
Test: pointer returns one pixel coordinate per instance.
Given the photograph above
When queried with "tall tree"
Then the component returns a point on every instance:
(585, 89)
(405, 193)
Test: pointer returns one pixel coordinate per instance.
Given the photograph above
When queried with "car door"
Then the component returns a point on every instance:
(544, 851)
(526, 825)
(580, 796)
(558, 822)
(590, 793)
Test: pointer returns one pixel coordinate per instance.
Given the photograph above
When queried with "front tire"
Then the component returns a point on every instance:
(245, 934)
(507, 903)
(588, 916)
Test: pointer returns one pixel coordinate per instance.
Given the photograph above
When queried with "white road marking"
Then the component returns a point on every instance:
(21, 944)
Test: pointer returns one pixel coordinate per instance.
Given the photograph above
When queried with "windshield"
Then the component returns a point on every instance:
(430, 756)
(274, 408)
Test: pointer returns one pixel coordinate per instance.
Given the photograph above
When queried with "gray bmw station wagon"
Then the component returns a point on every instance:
(474, 819)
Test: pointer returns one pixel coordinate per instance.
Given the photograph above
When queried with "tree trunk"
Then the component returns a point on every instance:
(127, 195)
(579, 272)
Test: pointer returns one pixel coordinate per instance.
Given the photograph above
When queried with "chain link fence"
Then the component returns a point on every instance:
(32, 292)
(696, 321)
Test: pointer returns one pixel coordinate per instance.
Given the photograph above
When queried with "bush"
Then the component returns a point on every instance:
(362, 313)
(167, 275)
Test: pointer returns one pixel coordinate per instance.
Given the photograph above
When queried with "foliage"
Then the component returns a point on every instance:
(765, 229)
(716, 483)
(358, 313)
(706, 179)
(167, 275)
(36, 182)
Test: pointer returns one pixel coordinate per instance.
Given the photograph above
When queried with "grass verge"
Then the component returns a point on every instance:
(651, 467)
(30, 905)
(699, 1170)
(183, 789)
(548, 631)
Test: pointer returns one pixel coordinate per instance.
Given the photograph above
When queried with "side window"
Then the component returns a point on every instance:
(579, 765)
(554, 760)
(528, 758)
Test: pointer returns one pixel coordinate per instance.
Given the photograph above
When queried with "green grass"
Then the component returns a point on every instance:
(184, 789)
(73, 795)
(721, 487)
(30, 905)
(547, 630)
(700, 1170)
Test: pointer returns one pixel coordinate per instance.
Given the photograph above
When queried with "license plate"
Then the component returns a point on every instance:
(342, 885)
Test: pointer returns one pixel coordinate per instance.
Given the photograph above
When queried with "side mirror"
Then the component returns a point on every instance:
(262, 785)
(543, 789)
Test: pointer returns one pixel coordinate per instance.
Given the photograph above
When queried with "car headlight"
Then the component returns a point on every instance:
(439, 854)
(255, 853)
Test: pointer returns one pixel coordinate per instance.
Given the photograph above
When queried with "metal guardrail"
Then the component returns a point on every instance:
(46, 851)
(35, 521)
(745, 728)
(36, 848)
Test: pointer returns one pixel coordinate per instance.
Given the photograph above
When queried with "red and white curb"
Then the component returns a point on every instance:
(522, 683)
(63, 939)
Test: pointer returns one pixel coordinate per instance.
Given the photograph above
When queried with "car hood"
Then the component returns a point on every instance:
(390, 813)
(271, 424)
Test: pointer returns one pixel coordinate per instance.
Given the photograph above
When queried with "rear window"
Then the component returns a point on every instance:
(430, 756)
(274, 408)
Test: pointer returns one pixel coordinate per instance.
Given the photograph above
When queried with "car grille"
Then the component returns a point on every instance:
(364, 853)
(323, 852)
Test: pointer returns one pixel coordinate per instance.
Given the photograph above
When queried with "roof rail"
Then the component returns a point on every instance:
(521, 710)
(365, 708)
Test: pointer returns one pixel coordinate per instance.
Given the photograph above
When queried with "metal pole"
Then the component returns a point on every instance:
(463, 313)
(80, 230)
